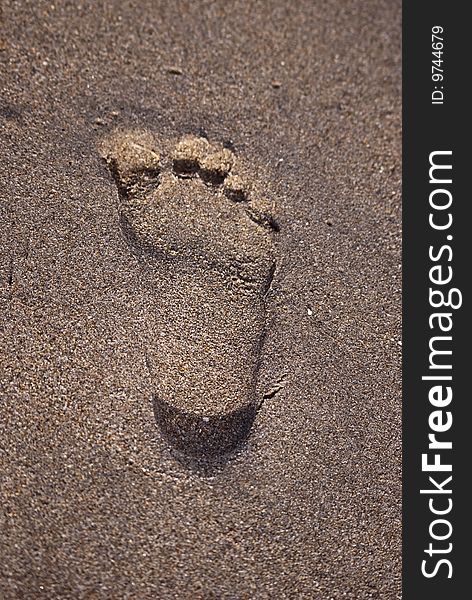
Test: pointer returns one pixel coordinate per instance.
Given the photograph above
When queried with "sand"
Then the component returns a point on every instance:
(95, 501)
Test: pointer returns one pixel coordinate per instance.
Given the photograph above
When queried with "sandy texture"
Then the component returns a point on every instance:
(95, 503)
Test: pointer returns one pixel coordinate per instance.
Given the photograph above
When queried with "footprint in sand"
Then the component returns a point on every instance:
(194, 206)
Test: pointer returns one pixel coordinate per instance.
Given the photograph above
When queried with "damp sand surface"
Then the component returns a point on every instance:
(95, 501)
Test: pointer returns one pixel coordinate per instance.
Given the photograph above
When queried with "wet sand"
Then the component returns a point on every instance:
(95, 501)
